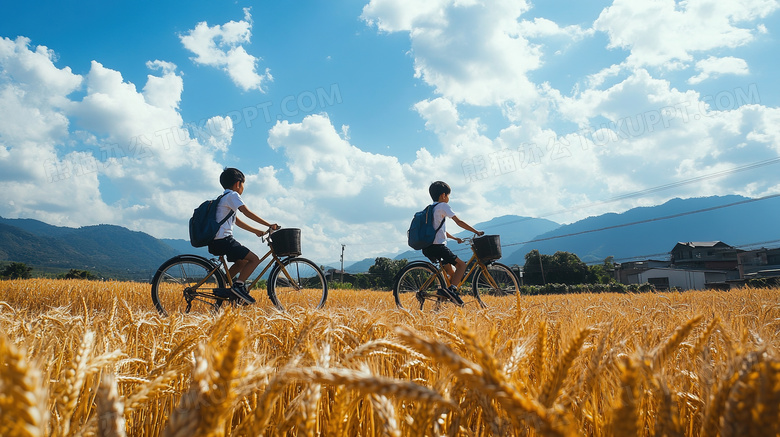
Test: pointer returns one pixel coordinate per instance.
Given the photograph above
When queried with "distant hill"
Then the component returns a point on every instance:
(651, 232)
(184, 246)
(643, 233)
(361, 266)
(106, 250)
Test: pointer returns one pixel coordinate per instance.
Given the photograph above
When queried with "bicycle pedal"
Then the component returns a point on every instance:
(223, 293)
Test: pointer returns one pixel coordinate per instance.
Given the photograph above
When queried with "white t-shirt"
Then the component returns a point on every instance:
(230, 202)
(440, 211)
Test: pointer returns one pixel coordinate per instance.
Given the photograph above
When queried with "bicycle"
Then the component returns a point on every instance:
(419, 281)
(188, 280)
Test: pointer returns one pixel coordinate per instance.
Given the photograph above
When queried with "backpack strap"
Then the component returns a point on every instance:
(230, 214)
(442, 219)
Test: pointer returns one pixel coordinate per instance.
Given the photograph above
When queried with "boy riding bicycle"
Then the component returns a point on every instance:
(244, 260)
(440, 192)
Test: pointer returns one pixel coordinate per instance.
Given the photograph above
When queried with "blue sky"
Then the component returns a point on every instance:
(342, 113)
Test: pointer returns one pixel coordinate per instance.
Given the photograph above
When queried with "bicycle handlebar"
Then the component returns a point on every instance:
(268, 233)
(469, 240)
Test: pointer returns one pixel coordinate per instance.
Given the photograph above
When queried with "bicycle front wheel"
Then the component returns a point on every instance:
(175, 285)
(300, 283)
(500, 281)
(416, 286)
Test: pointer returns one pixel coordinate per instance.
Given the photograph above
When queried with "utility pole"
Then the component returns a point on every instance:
(541, 267)
(342, 263)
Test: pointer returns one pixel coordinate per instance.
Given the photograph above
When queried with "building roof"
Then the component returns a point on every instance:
(694, 244)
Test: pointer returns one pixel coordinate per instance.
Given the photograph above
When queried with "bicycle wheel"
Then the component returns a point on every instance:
(504, 281)
(304, 287)
(173, 285)
(416, 285)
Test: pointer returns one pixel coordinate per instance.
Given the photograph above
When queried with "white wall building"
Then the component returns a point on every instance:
(668, 278)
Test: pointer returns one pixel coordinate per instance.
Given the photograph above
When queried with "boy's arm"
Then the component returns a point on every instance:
(466, 226)
(256, 218)
(452, 237)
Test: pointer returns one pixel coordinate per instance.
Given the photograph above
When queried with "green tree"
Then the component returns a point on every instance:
(362, 281)
(567, 268)
(384, 270)
(16, 271)
(560, 268)
(602, 273)
(533, 270)
(78, 274)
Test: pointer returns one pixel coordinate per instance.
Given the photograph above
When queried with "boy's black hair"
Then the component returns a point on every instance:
(437, 189)
(230, 176)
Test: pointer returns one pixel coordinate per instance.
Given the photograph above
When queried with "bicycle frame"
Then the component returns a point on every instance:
(473, 262)
(275, 263)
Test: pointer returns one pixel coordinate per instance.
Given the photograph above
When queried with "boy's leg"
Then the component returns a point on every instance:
(236, 268)
(447, 268)
(249, 264)
(460, 269)
(244, 263)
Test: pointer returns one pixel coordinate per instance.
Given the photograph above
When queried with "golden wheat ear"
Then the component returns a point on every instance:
(625, 413)
(665, 350)
(110, 408)
(552, 387)
(23, 398)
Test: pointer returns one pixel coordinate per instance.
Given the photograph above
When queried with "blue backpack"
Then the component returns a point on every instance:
(204, 225)
(421, 232)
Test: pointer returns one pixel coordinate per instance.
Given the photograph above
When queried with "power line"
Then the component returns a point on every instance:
(536, 240)
(651, 190)
(630, 195)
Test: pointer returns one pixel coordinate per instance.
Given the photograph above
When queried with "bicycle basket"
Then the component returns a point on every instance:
(487, 247)
(286, 242)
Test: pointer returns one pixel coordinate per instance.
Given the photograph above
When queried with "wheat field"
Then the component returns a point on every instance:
(83, 358)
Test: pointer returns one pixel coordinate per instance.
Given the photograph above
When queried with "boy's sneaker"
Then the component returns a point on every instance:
(447, 293)
(455, 297)
(224, 293)
(240, 291)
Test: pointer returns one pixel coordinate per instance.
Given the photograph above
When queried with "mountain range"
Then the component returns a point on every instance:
(647, 232)
(105, 250)
(639, 233)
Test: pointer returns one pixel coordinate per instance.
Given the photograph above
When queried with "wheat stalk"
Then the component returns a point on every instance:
(666, 420)
(110, 409)
(23, 411)
(625, 415)
(702, 339)
(553, 386)
(367, 383)
(222, 389)
(519, 408)
(665, 349)
(540, 353)
(737, 413)
(767, 411)
(74, 381)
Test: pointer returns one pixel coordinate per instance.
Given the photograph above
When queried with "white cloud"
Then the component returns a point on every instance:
(636, 130)
(713, 67)
(222, 46)
(542, 27)
(323, 165)
(56, 172)
(165, 91)
(667, 33)
(468, 51)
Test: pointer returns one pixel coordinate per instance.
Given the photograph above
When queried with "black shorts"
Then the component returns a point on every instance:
(230, 247)
(436, 252)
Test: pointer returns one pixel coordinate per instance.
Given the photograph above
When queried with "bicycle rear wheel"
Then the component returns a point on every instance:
(503, 282)
(416, 286)
(174, 285)
(303, 286)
